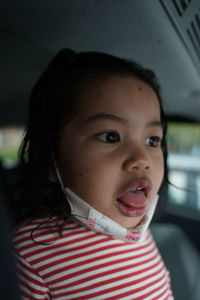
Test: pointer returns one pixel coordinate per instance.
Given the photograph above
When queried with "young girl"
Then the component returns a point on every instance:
(93, 160)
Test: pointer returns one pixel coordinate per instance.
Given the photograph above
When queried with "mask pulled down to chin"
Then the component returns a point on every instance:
(98, 222)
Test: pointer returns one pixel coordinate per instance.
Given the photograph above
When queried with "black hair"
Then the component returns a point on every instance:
(53, 102)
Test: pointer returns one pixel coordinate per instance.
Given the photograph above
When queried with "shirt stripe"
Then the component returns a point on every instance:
(73, 262)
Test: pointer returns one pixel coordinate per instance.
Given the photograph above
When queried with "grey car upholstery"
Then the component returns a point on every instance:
(181, 259)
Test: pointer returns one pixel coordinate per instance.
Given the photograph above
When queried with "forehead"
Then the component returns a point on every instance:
(118, 93)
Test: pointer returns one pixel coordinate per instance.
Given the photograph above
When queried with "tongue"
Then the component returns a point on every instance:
(133, 199)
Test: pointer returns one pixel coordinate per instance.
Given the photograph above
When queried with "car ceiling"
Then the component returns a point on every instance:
(151, 32)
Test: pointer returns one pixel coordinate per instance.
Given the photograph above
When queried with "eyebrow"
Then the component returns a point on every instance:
(155, 124)
(104, 116)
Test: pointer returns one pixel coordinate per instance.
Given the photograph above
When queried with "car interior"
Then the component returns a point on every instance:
(162, 35)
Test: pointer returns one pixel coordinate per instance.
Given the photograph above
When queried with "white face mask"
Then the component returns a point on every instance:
(96, 221)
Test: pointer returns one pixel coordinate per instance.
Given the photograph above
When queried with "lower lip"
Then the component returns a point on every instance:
(130, 211)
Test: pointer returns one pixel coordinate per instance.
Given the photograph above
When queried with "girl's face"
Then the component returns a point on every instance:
(110, 153)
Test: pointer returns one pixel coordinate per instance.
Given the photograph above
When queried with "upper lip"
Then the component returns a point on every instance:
(144, 184)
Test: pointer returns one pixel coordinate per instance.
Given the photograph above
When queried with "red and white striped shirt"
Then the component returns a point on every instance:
(73, 262)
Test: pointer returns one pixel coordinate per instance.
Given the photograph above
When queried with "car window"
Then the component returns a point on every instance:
(184, 164)
(10, 139)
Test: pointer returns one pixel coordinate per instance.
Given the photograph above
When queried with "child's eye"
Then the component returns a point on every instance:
(153, 141)
(109, 137)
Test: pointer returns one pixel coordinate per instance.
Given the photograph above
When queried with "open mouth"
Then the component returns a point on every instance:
(133, 201)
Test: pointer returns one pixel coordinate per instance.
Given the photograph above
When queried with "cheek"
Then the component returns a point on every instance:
(73, 173)
(89, 178)
(79, 176)
(159, 169)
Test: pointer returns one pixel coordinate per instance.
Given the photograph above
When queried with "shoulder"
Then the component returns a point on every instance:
(42, 232)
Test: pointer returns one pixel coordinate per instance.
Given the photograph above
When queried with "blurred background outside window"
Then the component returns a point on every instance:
(184, 164)
(10, 139)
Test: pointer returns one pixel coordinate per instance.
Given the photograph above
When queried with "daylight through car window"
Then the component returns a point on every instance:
(184, 164)
(10, 139)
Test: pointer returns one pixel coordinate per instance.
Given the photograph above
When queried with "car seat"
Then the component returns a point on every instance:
(181, 258)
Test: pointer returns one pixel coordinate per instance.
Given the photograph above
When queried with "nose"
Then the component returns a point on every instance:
(138, 161)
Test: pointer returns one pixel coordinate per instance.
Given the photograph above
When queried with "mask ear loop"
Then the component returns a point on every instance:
(57, 171)
(63, 187)
(60, 180)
